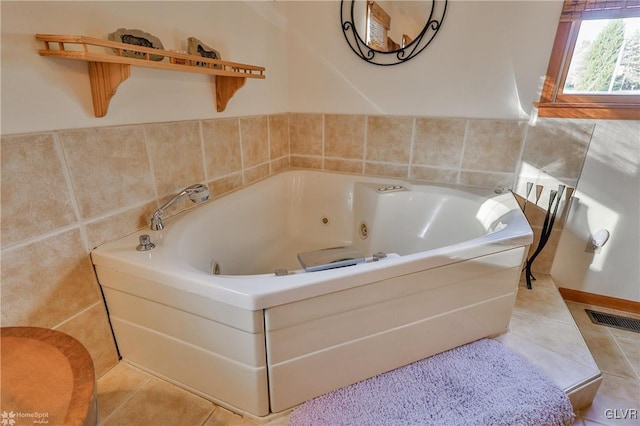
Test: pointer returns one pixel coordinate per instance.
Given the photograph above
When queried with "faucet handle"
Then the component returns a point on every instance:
(145, 243)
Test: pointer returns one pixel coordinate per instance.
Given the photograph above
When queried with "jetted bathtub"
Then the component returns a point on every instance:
(223, 307)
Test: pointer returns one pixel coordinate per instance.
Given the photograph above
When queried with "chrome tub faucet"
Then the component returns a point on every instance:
(197, 193)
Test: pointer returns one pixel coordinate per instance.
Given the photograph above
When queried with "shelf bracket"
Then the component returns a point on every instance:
(226, 87)
(105, 78)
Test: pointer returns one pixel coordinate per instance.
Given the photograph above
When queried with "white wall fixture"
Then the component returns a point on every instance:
(599, 238)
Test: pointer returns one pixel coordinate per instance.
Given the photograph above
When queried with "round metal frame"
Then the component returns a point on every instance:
(395, 57)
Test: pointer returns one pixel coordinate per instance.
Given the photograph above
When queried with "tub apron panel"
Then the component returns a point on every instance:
(327, 342)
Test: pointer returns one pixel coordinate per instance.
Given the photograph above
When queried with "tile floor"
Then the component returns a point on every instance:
(617, 353)
(543, 329)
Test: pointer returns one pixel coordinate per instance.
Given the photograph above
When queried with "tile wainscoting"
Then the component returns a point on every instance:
(65, 192)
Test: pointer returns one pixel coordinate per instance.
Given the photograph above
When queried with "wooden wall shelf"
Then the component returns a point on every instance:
(107, 71)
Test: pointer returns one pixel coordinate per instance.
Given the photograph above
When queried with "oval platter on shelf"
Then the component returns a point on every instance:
(137, 38)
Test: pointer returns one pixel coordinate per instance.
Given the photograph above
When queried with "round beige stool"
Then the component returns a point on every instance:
(47, 378)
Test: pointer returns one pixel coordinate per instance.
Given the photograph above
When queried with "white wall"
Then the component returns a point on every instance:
(40, 93)
(487, 61)
(607, 197)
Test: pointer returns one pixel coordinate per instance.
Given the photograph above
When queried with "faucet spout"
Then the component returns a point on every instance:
(197, 193)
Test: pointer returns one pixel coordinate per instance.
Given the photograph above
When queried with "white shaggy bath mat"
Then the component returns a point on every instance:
(481, 383)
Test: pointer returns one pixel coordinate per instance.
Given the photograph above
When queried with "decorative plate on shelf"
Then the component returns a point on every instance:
(138, 38)
(196, 47)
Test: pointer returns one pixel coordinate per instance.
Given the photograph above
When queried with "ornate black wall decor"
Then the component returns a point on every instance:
(437, 11)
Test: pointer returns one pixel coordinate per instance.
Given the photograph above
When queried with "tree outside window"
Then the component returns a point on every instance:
(606, 58)
(594, 69)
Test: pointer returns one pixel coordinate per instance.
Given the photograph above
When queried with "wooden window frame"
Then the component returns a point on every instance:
(381, 17)
(554, 103)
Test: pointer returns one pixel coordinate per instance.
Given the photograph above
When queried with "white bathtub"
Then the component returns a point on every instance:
(260, 343)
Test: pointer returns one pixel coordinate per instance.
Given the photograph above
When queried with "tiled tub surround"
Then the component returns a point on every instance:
(487, 153)
(67, 191)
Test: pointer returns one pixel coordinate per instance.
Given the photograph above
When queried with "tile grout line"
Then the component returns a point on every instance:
(152, 170)
(132, 393)
(203, 151)
(364, 145)
(269, 159)
(239, 124)
(467, 127)
(58, 145)
(624, 355)
(209, 416)
(412, 141)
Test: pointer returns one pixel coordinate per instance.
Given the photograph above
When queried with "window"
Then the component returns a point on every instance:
(594, 69)
(378, 25)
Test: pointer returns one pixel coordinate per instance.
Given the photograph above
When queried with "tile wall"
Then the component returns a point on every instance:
(487, 153)
(68, 191)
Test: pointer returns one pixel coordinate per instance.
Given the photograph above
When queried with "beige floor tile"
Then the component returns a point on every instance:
(582, 396)
(563, 371)
(631, 349)
(607, 353)
(580, 316)
(542, 301)
(118, 385)
(583, 321)
(626, 335)
(615, 395)
(616, 351)
(559, 337)
(98, 339)
(279, 421)
(223, 417)
(159, 403)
